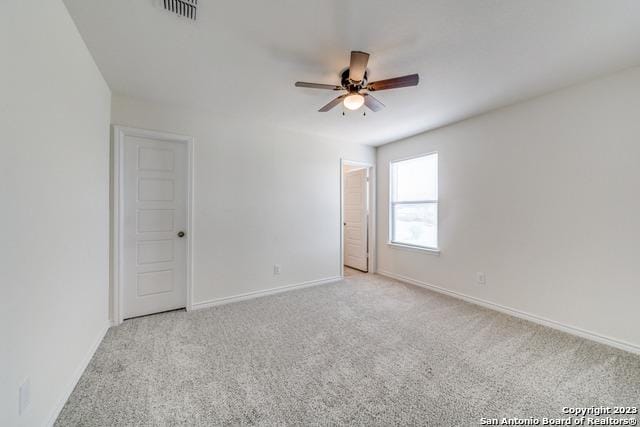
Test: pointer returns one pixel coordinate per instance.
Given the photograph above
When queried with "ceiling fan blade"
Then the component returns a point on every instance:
(394, 83)
(318, 86)
(332, 104)
(358, 65)
(373, 103)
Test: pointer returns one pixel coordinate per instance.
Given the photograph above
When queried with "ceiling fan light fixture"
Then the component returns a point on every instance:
(354, 101)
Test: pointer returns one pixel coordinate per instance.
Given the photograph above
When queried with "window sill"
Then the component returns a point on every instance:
(430, 251)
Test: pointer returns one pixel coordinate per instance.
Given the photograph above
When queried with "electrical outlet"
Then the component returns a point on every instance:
(481, 279)
(24, 396)
(276, 268)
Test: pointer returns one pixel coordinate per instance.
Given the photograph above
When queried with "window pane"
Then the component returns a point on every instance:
(415, 179)
(416, 224)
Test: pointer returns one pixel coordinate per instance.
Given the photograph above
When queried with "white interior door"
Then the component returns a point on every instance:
(154, 218)
(355, 219)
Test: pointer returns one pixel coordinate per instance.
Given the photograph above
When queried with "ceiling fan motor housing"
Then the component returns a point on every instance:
(352, 86)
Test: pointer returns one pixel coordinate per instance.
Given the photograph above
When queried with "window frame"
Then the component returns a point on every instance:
(393, 203)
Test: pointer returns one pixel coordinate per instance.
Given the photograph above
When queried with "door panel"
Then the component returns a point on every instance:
(155, 220)
(154, 251)
(155, 210)
(155, 159)
(155, 282)
(356, 220)
(155, 190)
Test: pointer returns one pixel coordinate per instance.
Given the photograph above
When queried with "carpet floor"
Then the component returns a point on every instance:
(366, 351)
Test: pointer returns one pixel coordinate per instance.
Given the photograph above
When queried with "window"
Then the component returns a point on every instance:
(414, 202)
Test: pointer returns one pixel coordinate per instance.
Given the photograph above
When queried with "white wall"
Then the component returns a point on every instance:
(54, 122)
(262, 196)
(543, 197)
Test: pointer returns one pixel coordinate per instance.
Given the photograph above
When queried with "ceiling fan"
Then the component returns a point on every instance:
(354, 81)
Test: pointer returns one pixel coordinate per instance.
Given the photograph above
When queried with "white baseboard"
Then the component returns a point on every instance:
(76, 376)
(257, 294)
(613, 342)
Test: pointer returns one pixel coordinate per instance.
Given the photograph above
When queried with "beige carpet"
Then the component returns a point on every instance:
(364, 351)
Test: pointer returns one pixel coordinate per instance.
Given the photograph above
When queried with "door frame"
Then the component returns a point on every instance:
(117, 213)
(371, 223)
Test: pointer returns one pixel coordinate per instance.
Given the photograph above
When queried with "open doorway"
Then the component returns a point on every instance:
(356, 217)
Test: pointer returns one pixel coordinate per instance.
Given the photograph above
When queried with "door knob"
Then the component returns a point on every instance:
(180, 233)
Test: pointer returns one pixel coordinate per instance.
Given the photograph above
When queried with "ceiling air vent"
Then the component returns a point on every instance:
(186, 8)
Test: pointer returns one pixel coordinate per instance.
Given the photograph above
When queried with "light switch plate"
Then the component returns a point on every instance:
(481, 278)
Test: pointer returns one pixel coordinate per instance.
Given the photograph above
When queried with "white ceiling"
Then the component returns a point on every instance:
(241, 58)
